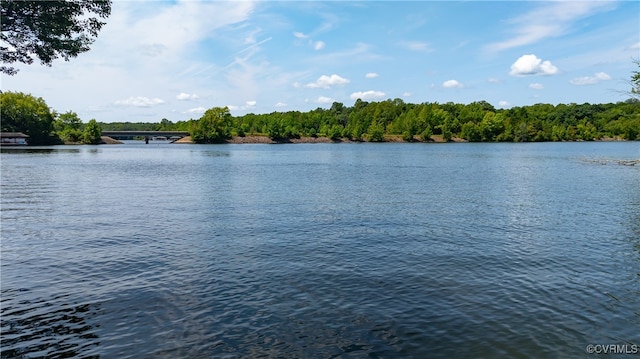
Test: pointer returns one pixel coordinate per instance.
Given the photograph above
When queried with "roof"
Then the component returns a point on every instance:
(13, 135)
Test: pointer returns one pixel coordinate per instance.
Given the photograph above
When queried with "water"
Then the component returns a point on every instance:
(319, 251)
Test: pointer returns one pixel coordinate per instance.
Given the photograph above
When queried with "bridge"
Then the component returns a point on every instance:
(129, 135)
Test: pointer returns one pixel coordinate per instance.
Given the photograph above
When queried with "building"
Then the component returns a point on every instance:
(13, 139)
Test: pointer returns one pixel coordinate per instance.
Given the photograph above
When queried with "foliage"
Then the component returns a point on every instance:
(477, 121)
(371, 121)
(49, 29)
(375, 133)
(27, 114)
(213, 127)
(68, 127)
(164, 125)
(92, 133)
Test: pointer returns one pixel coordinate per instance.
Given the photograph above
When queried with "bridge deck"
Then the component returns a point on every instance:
(145, 133)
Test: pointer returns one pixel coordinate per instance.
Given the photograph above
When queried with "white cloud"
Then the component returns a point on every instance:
(548, 20)
(590, 80)
(493, 80)
(323, 99)
(367, 95)
(532, 65)
(326, 82)
(185, 96)
(300, 35)
(251, 103)
(196, 110)
(280, 104)
(371, 75)
(140, 101)
(504, 104)
(635, 46)
(416, 45)
(452, 84)
(536, 86)
(175, 27)
(406, 94)
(319, 45)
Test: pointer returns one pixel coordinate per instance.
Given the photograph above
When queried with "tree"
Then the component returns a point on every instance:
(68, 127)
(376, 132)
(47, 30)
(471, 132)
(213, 127)
(164, 125)
(426, 134)
(27, 114)
(275, 130)
(92, 133)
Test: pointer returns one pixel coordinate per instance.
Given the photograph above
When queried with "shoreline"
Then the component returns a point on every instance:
(257, 139)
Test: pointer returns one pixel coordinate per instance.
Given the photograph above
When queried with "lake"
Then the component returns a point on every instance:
(320, 250)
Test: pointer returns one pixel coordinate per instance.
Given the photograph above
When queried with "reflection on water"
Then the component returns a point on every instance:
(37, 150)
(322, 250)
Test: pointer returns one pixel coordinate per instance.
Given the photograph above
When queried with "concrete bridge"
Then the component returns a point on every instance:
(129, 135)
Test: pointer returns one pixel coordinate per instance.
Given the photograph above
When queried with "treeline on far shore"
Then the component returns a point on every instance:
(377, 121)
(364, 121)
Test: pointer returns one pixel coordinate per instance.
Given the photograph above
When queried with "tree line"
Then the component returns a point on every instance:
(364, 121)
(30, 115)
(395, 119)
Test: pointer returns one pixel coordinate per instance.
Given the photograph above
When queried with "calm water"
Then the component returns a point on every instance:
(319, 251)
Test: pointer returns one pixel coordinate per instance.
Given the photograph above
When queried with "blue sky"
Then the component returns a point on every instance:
(175, 59)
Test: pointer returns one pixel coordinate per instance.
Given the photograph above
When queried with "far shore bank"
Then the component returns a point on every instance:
(265, 139)
(258, 139)
(249, 139)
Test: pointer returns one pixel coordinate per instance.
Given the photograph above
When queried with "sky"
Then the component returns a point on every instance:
(176, 59)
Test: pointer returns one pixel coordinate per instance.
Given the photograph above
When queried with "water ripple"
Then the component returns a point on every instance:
(317, 251)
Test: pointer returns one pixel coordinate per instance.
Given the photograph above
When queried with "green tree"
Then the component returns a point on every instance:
(164, 125)
(491, 126)
(471, 132)
(213, 127)
(586, 131)
(68, 127)
(47, 30)
(92, 133)
(276, 129)
(426, 134)
(376, 132)
(27, 114)
(335, 132)
(409, 126)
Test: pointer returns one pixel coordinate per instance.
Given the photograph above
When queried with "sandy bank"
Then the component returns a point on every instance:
(109, 141)
(265, 139)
